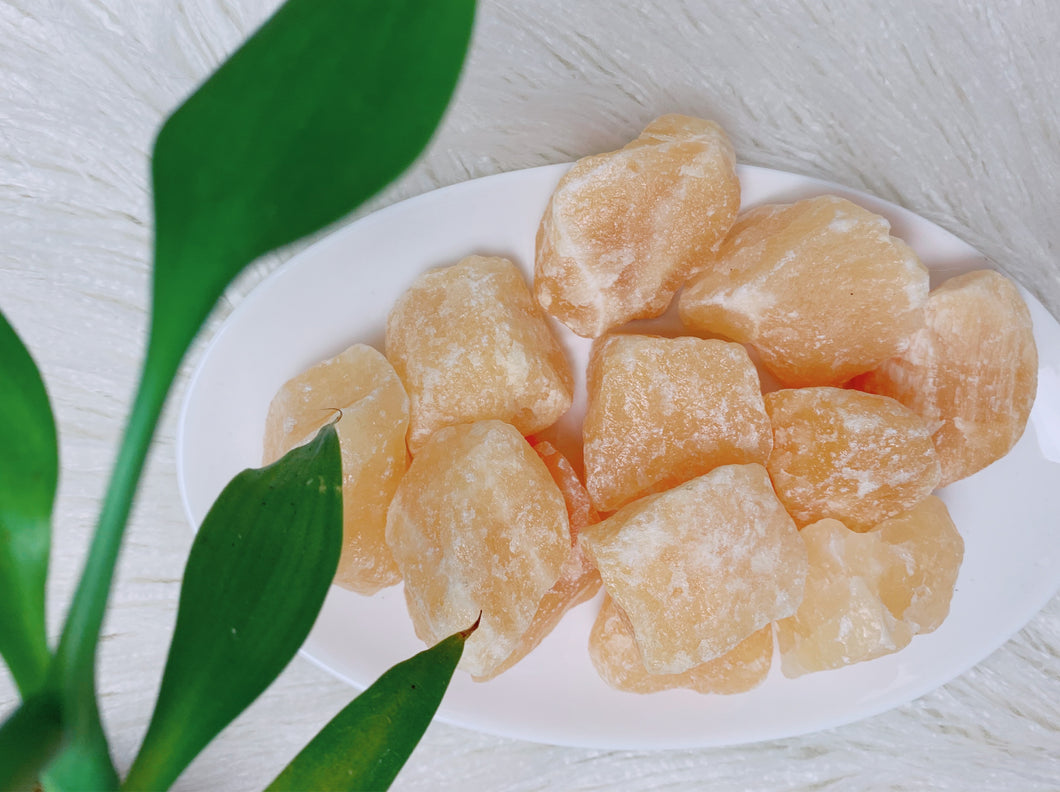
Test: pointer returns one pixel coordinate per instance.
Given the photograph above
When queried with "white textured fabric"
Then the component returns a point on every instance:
(949, 107)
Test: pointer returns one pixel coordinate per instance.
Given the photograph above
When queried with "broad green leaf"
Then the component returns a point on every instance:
(325, 104)
(29, 471)
(28, 740)
(256, 578)
(319, 110)
(368, 742)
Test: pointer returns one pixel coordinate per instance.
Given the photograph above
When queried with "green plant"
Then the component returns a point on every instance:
(325, 104)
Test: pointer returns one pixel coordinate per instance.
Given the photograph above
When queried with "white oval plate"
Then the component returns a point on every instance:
(339, 292)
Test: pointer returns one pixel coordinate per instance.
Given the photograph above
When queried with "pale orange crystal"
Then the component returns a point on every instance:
(477, 525)
(842, 619)
(616, 657)
(579, 507)
(853, 456)
(868, 594)
(819, 287)
(361, 384)
(470, 344)
(972, 367)
(698, 568)
(662, 411)
(928, 552)
(624, 230)
(578, 580)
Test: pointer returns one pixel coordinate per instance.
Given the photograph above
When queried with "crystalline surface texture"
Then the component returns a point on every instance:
(852, 456)
(478, 525)
(578, 580)
(868, 594)
(698, 568)
(616, 657)
(972, 366)
(664, 410)
(361, 384)
(624, 230)
(470, 344)
(819, 287)
(842, 619)
(927, 551)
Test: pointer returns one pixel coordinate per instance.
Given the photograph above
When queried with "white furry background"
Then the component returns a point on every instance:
(951, 108)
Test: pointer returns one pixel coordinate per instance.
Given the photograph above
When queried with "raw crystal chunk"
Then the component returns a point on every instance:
(853, 456)
(868, 594)
(477, 525)
(375, 417)
(698, 568)
(819, 287)
(664, 410)
(928, 552)
(624, 230)
(842, 619)
(973, 366)
(470, 344)
(614, 653)
(578, 580)
(579, 507)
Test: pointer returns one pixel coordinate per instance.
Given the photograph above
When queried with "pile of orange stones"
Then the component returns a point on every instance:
(716, 517)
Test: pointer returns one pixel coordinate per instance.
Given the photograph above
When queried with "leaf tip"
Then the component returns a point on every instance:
(465, 634)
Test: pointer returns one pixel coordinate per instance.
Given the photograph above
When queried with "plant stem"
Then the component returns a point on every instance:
(81, 632)
(73, 669)
(28, 740)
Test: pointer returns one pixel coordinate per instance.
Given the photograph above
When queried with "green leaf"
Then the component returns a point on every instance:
(83, 761)
(319, 110)
(256, 578)
(368, 742)
(29, 470)
(322, 107)
(28, 740)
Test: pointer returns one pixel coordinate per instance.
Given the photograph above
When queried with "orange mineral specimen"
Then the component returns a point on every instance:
(614, 653)
(478, 525)
(470, 344)
(698, 568)
(579, 507)
(928, 552)
(848, 455)
(819, 287)
(662, 411)
(842, 619)
(624, 230)
(375, 417)
(868, 594)
(972, 367)
(578, 580)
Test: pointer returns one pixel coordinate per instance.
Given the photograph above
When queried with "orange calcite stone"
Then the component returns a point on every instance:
(662, 411)
(624, 230)
(375, 417)
(928, 552)
(579, 506)
(868, 594)
(578, 580)
(700, 567)
(819, 287)
(853, 456)
(972, 368)
(842, 619)
(470, 344)
(477, 525)
(614, 653)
